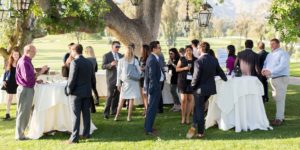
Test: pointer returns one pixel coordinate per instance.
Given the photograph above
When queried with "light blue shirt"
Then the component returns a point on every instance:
(277, 62)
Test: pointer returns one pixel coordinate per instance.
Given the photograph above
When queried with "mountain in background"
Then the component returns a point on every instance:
(231, 8)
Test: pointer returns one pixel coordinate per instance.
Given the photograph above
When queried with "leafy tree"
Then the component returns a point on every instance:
(286, 20)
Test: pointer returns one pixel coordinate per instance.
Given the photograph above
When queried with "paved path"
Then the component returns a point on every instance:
(294, 81)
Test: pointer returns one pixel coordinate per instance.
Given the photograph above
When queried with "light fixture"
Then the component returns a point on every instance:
(187, 20)
(204, 15)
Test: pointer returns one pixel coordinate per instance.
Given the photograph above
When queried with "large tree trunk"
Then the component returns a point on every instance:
(25, 32)
(141, 30)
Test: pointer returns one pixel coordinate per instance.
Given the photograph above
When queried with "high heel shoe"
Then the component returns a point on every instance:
(116, 119)
(128, 119)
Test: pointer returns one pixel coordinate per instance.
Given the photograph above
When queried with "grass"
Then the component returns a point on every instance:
(295, 69)
(130, 135)
(124, 135)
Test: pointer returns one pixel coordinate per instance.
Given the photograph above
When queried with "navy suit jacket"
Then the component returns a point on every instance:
(206, 68)
(81, 77)
(152, 75)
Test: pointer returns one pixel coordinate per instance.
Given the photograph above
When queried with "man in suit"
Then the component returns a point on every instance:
(262, 55)
(79, 87)
(248, 60)
(203, 83)
(110, 62)
(154, 78)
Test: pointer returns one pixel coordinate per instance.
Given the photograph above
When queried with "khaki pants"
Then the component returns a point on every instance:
(24, 107)
(279, 89)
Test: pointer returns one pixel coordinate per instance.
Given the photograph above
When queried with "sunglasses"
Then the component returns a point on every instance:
(117, 46)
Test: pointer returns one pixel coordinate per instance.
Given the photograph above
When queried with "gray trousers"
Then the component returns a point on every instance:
(24, 108)
(173, 90)
(279, 89)
(80, 105)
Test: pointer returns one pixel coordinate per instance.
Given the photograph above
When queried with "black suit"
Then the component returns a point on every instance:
(203, 83)
(152, 86)
(111, 80)
(251, 58)
(262, 57)
(79, 86)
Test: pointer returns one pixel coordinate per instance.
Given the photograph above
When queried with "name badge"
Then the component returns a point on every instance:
(189, 77)
(170, 72)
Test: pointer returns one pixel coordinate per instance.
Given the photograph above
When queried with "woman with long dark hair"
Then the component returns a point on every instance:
(145, 52)
(185, 69)
(9, 80)
(173, 60)
(231, 59)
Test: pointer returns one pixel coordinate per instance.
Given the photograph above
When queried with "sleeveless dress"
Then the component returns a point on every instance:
(184, 85)
(11, 82)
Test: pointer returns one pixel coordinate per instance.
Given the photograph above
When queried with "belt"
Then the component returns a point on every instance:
(279, 77)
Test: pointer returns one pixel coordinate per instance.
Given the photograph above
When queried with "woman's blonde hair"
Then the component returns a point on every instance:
(129, 52)
(89, 52)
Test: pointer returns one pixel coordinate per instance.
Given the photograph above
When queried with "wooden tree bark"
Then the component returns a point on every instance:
(141, 30)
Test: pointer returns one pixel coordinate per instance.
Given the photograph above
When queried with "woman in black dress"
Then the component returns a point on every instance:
(9, 80)
(145, 52)
(185, 69)
(173, 60)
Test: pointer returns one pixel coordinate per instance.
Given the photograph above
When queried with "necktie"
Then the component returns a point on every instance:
(115, 56)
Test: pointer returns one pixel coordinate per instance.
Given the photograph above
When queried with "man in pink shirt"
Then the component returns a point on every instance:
(26, 78)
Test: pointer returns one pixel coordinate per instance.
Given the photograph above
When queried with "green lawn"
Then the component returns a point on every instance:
(295, 69)
(123, 135)
(130, 135)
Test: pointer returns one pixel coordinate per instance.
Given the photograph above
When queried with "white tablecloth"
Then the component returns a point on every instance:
(52, 111)
(102, 88)
(238, 103)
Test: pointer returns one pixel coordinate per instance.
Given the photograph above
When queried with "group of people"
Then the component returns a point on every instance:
(192, 70)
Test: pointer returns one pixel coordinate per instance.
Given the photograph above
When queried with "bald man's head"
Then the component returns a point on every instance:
(30, 50)
(261, 45)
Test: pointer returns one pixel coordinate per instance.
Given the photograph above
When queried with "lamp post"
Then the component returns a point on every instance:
(135, 2)
(204, 15)
(187, 20)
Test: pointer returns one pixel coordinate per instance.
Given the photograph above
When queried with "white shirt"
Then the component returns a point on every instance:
(115, 55)
(161, 73)
(277, 62)
(196, 52)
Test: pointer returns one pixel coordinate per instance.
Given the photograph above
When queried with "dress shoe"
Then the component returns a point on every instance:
(70, 142)
(276, 122)
(199, 136)
(23, 139)
(106, 117)
(191, 133)
(7, 117)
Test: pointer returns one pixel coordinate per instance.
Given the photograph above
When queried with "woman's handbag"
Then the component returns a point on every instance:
(132, 72)
(5, 78)
(65, 71)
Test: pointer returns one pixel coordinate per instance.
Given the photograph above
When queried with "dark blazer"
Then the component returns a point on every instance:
(111, 71)
(81, 77)
(205, 70)
(262, 55)
(152, 75)
(251, 58)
